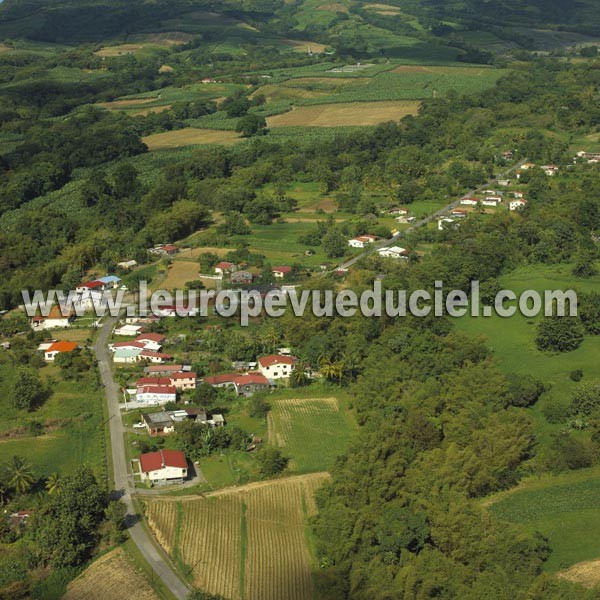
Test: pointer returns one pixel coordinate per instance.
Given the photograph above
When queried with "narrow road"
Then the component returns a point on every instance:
(155, 557)
(439, 213)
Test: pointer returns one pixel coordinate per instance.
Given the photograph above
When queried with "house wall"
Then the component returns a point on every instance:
(277, 371)
(165, 474)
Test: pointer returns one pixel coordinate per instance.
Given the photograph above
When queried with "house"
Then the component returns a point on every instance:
(156, 394)
(58, 347)
(491, 201)
(164, 250)
(110, 281)
(126, 355)
(517, 204)
(56, 318)
(517, 194)
(127, 264)
(504, 182)
(469, 201)
(393, 252)
(90, 299)
(277, 366)
(249, 383)
(444, 222)
(243, 365)
(144, 381)
(281, 272)
(96, 285)
(242, 277)
(221, 381)
(507, 155)
(361, 241)
(184, 381)
(398, 210)
(150, 341)
(459, 213)
(129, 330)
(527, 166)
(224, 268)
(127, 346)
(550, 170)
(164, 370)
(155, 357)
(163, 467)
(158, 423)
(491, 193)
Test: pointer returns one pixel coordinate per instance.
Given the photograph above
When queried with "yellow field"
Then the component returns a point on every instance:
(585, 573)
(179, 273)
(383, 9)
(112, 577)
(189, 136)
(302, 46)
(129, 103)
(334, 7)
(331, 81)
(249, 539)
(351, 113)
(277, 92)
(4, 48)
(112, 51)
(72, 335)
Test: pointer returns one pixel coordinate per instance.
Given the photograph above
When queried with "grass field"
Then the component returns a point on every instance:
(248, 542)
(189, 136)
(565, 508)
(179, 273)
(304, 46)
(313, 431)
(586, 573)
(113, 577)
(331, 115)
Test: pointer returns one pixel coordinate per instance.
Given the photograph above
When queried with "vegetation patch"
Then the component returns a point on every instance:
(189, 136)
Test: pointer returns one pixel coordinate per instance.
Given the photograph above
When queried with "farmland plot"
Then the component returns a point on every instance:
(246, 542)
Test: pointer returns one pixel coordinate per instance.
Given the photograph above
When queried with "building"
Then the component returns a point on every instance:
(393, 252)
(504, 182)
(164, 250)
(242, 277)
(362, 241)
(110, 281)
(150, 341)
(459, 213)
(156, 394)
(517, 204)
(163, 467)
(281, 272)
(550, 170)
(469, 201)
(221, 381)
(127, 264)
(133, 345)
(444, 222)
(164, 370)
(129, 330)
(184, 381)
(126, 355)
(249, 383)
(163, 422)
(58, 347)
(55, 319)
(95, 285)
(224, 268)
(155, 357)
(277, 366)
(398, 210)
(491, 201)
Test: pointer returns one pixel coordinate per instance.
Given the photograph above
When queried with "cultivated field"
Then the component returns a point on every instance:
(248, 542)
(302, 46)
(352, 113)
(179, 273)
(122, 104)
(189, 136)
(312, 431)
(112, 51)
(112, 577)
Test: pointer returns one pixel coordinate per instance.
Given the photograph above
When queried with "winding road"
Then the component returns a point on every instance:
(155, 557)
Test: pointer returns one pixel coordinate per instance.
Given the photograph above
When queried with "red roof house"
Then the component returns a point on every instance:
(163, 466)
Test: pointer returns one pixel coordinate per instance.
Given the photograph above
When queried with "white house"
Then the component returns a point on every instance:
(163, 467)
(126, 355)
(151, 341)
(362, 241)
(550, 170)
(133, 345)
(517, 203)
(504, 182)
(129, 330)
(56, 348)
(156, 394)
(393, 252)
(55, 319)
(281, 272)
(127, 264)
(110, 281)
(443, 222)
(398, 210)
(277, 366)
(469, 201)
(459, 213)
(155, 357)
(96, 285)
(491, 201)
(224, 267)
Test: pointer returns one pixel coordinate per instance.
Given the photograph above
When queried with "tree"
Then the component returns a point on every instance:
(200, 595)
(524, 390)
(334, 243)
(18, 475)
(298, 378)
(115, 514)
(28, 391)
(585, 399)
(271, 461)
(258, 406)
(559, 334)
(251, 124)
(52, 483)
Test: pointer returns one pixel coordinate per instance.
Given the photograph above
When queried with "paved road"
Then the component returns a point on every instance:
(443, 211)
(154, 555)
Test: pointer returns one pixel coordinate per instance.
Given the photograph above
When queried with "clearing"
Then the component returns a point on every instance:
(129, 103)
(189, 136)
(585, 573)
(179, 273)
(349, 114)
(248, 542)
(302, 46)
(111, 576)
(312, 431)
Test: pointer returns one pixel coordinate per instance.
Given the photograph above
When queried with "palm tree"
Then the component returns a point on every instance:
(330, 369)
(52, 483)
(3, 491)
(19, 475)
(298, 377)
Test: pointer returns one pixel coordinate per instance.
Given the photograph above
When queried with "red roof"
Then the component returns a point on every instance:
(218, 379)
(153, 337)
(188, 375)
(224, 265)
(161, 368)
(145, 381)
(56, 312)
(283, 270)
(169, 248)
(276, 359)
(157, 389)
(132, 344)
(154, 461)
(62, 347)
(251, 377)
(92, 285)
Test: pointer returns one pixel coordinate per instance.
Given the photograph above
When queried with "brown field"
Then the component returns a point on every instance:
(189, 136)
(411, 69)
(303, 46)
(112, 577)
(72, 335)
(351, 113)
(333, 81)
(151, 109)
(196, 252)
(585, 573)
(4, 48)
(326, 205)
(179, 273)
(386, 7)
(112, 51)
(335, 7)
(244, 542)
(119, 104)
(276, 92)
